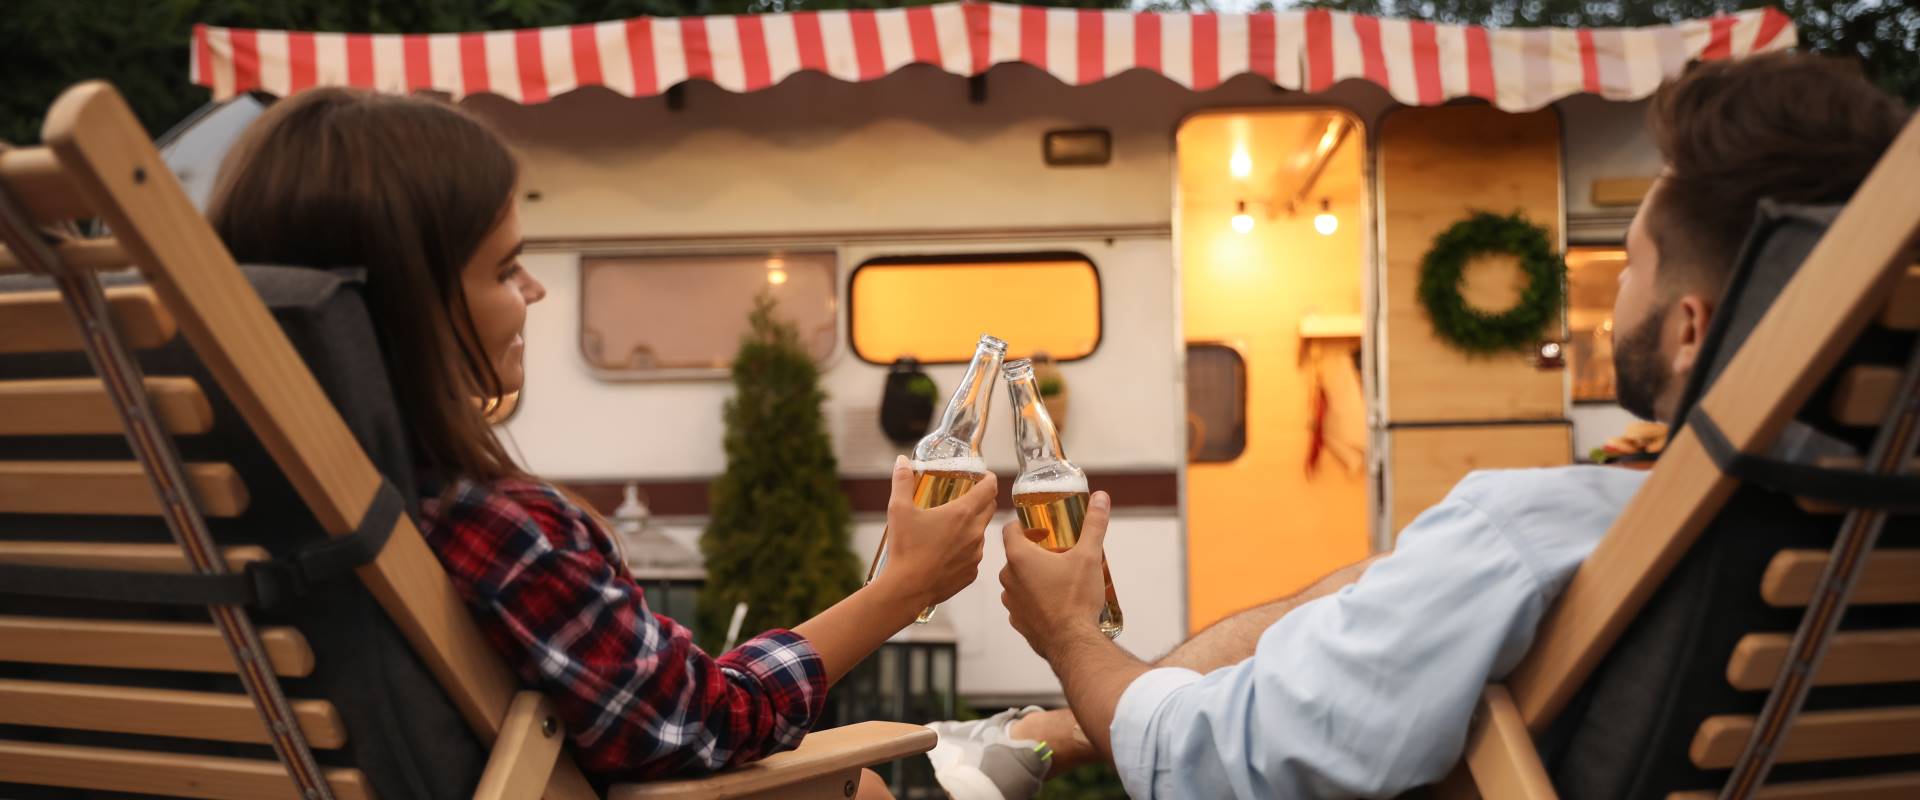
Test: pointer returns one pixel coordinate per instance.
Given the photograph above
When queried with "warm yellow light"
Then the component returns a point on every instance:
(1243, 223)
(1326, 223)
(776, 276)
(1241, 164)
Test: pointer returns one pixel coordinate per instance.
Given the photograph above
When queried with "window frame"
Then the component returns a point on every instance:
(1246, 417)
(963, 259)
(681, 374)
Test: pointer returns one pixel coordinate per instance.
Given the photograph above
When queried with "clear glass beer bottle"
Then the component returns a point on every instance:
(1050, 495)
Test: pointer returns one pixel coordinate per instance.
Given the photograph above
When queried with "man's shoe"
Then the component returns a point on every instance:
(978, 761)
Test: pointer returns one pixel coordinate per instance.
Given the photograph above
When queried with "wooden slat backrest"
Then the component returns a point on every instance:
(1864, 394)
(40, 183)
(1815, 736)
(37, 322)
(111, 165)
(94, 255)
(1838, 290)
(1853, 658)
(115, 555)
(1892, 576)
(81, 407)
(1901, 786)
(1903, 309)
(176, 646)
(111, 488)
(169, 774)
(217, 716)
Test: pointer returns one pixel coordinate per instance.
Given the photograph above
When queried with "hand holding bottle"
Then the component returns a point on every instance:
(933, 553)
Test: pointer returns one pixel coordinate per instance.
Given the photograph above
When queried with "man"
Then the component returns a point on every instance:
(1363, 685)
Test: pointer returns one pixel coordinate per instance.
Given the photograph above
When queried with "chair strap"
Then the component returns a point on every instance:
(262, 584)
(1847, 488)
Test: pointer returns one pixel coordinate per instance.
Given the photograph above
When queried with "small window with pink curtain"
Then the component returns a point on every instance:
(681, 316)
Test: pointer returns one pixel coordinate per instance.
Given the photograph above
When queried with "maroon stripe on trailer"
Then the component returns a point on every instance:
(1146, 41)
(1373, 59)
(689, 497)
(418, 57)
(1721, 44)
(646, 78)
(473, 64)
(302, 61)
(808, 40)
(1206, 51)
(1033, 36)
(532, 65)
(753, 52)
(1261, 54)
(866, 44)
(1319, 49)
(1589, 63)
(360, 60)
(1479, 64)
(925, 35)
(693, 43)
(586, 56)
(979, 35)
(1092, 34)
(1426, 62)
(246, 59)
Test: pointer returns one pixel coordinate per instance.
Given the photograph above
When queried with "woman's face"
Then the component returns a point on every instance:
(498, 292)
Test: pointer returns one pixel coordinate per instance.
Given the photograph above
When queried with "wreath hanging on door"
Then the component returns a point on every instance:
(1481, 332)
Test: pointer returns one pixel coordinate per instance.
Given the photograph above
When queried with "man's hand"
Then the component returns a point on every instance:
(1055, 599)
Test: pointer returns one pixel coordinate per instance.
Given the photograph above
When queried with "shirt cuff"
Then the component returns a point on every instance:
(787, 664)
(1132, 730)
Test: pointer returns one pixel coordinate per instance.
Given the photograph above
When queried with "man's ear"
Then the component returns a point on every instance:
(1692, 316)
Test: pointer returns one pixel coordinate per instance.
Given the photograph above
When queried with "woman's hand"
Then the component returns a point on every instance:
(934, 553)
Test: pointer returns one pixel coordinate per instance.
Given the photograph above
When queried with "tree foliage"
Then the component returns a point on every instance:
(777, 539)
(1884, 35)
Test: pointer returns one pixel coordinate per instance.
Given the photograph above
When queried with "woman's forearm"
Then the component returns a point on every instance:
(853, 628)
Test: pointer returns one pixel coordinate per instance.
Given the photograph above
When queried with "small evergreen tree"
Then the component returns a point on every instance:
(778, 538)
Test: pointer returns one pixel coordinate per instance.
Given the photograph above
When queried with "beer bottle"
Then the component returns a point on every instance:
(947, 462)
(1050, 495)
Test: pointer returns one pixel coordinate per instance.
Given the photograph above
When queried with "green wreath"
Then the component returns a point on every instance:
(1479, 332)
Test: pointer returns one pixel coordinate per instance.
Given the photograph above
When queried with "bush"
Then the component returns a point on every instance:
(778, 537)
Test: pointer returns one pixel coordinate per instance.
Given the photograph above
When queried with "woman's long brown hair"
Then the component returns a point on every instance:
(405, 188)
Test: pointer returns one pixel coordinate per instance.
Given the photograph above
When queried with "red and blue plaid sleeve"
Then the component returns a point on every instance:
(638, 698)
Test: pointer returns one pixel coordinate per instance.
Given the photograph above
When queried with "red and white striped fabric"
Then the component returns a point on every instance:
(1420, 63)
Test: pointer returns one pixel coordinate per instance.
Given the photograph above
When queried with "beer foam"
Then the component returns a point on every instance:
(966, 464)
(1064, 484)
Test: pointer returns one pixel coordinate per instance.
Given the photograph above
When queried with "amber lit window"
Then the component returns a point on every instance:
(666, 316)
(1593, 277)
(935, 308)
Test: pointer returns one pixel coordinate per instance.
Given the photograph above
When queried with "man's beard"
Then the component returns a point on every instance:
(1639, 376)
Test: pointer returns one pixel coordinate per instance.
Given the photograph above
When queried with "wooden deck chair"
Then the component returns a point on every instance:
(185, 505)
(1750, 627)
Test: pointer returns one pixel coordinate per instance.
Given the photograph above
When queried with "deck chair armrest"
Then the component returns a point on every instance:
(525, 753)
(826, 765)
(1501, 761)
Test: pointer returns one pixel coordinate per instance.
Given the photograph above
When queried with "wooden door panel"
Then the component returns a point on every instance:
(1427, 462)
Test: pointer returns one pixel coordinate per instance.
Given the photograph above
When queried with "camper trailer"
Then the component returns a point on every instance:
(1214, 226)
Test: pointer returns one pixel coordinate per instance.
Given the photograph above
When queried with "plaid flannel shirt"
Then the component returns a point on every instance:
(638, 698)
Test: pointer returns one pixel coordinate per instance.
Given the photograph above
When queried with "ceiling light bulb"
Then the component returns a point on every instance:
(1241, 164)
(1242, 221)
(1325, 222)
(776, 276)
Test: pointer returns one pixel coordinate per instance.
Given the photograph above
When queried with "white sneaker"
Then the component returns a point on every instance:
(978, 761)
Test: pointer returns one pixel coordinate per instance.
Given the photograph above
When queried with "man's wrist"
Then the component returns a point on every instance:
(1071, 643)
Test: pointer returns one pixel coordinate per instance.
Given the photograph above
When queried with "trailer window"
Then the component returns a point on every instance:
(935, 308)
(1593, 277)
(683, 316)
(1216, 403)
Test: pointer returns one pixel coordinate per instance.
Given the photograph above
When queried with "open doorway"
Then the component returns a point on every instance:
(1272, 216)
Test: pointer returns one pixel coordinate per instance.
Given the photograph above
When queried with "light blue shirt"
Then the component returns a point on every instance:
(1368, 691)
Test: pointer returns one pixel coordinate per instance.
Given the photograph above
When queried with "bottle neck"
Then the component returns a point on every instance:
(1035, 440)
(966, 416)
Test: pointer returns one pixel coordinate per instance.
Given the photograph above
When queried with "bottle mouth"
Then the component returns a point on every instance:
(991, 343)
(1017, 368)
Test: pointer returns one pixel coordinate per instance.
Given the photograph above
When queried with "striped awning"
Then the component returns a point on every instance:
(1419, 63)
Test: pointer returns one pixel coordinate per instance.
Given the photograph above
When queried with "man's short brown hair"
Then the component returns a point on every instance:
(1791, 127)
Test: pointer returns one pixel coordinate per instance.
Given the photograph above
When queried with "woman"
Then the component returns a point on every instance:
(423, 197)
